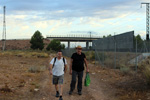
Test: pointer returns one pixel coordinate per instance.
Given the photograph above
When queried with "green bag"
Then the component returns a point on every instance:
(87, 80)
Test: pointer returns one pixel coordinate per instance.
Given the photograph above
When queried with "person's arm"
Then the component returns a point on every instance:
(86, 64)
(51, 66)
(66, 67)
(70, 68)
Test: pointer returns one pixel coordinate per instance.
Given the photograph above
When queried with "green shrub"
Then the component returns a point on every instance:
(55, 45)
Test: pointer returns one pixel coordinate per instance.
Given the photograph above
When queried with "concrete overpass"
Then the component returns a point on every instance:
(75, 38)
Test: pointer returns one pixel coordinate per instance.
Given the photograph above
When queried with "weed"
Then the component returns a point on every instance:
(37, 69)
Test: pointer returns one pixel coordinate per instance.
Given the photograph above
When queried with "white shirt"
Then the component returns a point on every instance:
(58, 68)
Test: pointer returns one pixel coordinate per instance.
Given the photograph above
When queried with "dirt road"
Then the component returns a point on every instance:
(18, 81)
(93, 92)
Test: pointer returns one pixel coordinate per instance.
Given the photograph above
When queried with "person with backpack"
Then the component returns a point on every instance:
(58, 66)
(77, 62)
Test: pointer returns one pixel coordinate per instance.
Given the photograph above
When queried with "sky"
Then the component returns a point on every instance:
(70, 17)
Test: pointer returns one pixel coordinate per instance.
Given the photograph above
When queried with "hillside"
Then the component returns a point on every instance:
(18, 44)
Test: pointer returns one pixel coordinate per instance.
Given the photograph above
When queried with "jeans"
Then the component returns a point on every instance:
(73, 81)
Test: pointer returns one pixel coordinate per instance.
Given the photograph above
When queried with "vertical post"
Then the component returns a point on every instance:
(115, 52)
(147, 20)
(103, 53)
(136, 60)
(68, 45)
(90, 42)
(87, 45)
(97, 55)
(90, 48)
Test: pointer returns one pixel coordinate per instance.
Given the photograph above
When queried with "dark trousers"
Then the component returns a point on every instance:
(73, 81)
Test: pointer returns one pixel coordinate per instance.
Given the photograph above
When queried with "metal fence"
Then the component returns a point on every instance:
(116, 58)
(68, 52)
(122, 59)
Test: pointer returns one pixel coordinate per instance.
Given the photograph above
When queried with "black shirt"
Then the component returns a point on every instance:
(78, 62)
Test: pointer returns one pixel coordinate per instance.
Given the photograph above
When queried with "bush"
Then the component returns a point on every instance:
(124, 69)
(90, 55)
(55, 45)
(147, 74)
(144, 67)
(37, 69)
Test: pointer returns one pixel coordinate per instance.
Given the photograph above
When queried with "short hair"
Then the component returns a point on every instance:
(78, 47)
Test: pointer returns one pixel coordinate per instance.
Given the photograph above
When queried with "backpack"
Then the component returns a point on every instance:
(55, 61)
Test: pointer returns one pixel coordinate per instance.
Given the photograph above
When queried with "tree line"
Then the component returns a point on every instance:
(37, 43)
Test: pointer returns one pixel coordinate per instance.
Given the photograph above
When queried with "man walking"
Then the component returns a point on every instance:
(58, 66)
(77, 62)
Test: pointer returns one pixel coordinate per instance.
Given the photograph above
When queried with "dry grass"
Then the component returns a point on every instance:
(37, 69)
(108, 59)
(147, 73)
(19, 53)
(144, 66)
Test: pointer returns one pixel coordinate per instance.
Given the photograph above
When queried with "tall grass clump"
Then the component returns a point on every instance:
(36, 69)
(147, 74)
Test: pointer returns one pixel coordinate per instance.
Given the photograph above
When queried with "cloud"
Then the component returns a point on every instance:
(56, 9)
(23, 28)
(40, 24)
(59, 24)
(55, 16)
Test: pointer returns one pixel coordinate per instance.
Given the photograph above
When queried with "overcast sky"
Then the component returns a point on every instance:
(64, 17)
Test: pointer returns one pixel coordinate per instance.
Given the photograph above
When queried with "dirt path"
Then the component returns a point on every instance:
(15, 71)
(93, 92)
(106, 84)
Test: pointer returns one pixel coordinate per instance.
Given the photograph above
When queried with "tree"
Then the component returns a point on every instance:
(55, 45)
(104, 36)
(37, 41)
(139, 41)
(109, 35)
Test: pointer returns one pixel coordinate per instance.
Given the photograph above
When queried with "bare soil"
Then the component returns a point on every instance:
(17, 82)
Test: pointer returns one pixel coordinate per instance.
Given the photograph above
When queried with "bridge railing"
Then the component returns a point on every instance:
(74, 36)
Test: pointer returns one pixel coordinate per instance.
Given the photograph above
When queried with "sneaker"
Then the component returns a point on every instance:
(70, 92)
(57, 94)
(60, 98)
(79, 92)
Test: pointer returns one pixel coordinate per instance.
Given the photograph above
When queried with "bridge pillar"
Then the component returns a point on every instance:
(68, 44)
(87, 45)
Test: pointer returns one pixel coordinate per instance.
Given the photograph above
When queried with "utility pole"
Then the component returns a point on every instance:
(4, 33)
(147, 20)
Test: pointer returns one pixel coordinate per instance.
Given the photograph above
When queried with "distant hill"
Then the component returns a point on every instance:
(20, 44)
